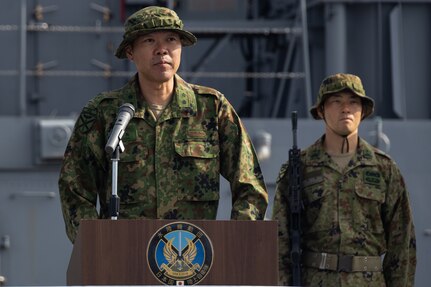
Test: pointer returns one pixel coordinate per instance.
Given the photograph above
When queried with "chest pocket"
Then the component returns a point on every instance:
(313, 185)
(200, 170)
(316, 201)
(371, 194)
(196, 164)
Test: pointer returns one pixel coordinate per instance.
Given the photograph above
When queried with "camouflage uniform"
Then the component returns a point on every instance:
(170, 168)
(362, 210)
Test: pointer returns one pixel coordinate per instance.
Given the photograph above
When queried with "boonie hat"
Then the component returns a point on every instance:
(337, 83)
(152, 19)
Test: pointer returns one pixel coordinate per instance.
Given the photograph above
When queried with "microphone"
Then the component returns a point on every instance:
(125, 114)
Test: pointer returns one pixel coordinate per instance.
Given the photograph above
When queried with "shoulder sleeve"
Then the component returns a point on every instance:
(280, 213)
(239, 163)
(83, 169)
(399, 264)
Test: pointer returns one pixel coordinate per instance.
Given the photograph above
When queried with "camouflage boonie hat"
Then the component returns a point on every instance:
(152, 19)
(337, 83)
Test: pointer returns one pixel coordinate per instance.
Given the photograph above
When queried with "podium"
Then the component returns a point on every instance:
(117, 252)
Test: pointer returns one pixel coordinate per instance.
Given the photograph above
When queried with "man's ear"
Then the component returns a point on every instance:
(129, 53)
(321, 111)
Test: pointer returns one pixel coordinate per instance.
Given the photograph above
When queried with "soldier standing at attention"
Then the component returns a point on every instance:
(357, 225)
(181, 138)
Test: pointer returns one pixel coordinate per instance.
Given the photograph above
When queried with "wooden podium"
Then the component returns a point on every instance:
(114, 252)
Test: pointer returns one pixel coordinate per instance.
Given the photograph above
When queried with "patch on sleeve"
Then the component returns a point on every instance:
(86, 120)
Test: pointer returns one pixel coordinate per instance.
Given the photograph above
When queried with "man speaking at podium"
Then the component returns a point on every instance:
(181, 138)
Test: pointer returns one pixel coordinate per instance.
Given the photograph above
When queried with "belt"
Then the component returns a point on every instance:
(342, 263)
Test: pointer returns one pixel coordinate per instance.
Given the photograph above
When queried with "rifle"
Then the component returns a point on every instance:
(295, 204)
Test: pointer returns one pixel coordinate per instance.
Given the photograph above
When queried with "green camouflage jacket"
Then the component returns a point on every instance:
(170, 168)
(363, 211)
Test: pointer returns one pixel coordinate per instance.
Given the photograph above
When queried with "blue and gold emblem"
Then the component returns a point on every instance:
(180, 253)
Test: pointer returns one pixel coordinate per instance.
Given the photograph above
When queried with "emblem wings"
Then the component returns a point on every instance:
(188, 256)
(190, 253)
(169, 253)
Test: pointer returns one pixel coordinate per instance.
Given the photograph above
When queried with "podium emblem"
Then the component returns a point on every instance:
(180, 253)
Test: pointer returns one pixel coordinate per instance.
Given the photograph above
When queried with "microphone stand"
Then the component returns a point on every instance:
(114, 204)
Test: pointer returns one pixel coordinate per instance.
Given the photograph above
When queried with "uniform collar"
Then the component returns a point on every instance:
(183, 102)
(316, 155)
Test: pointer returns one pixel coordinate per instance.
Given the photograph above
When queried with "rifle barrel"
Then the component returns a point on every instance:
(294, 126)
